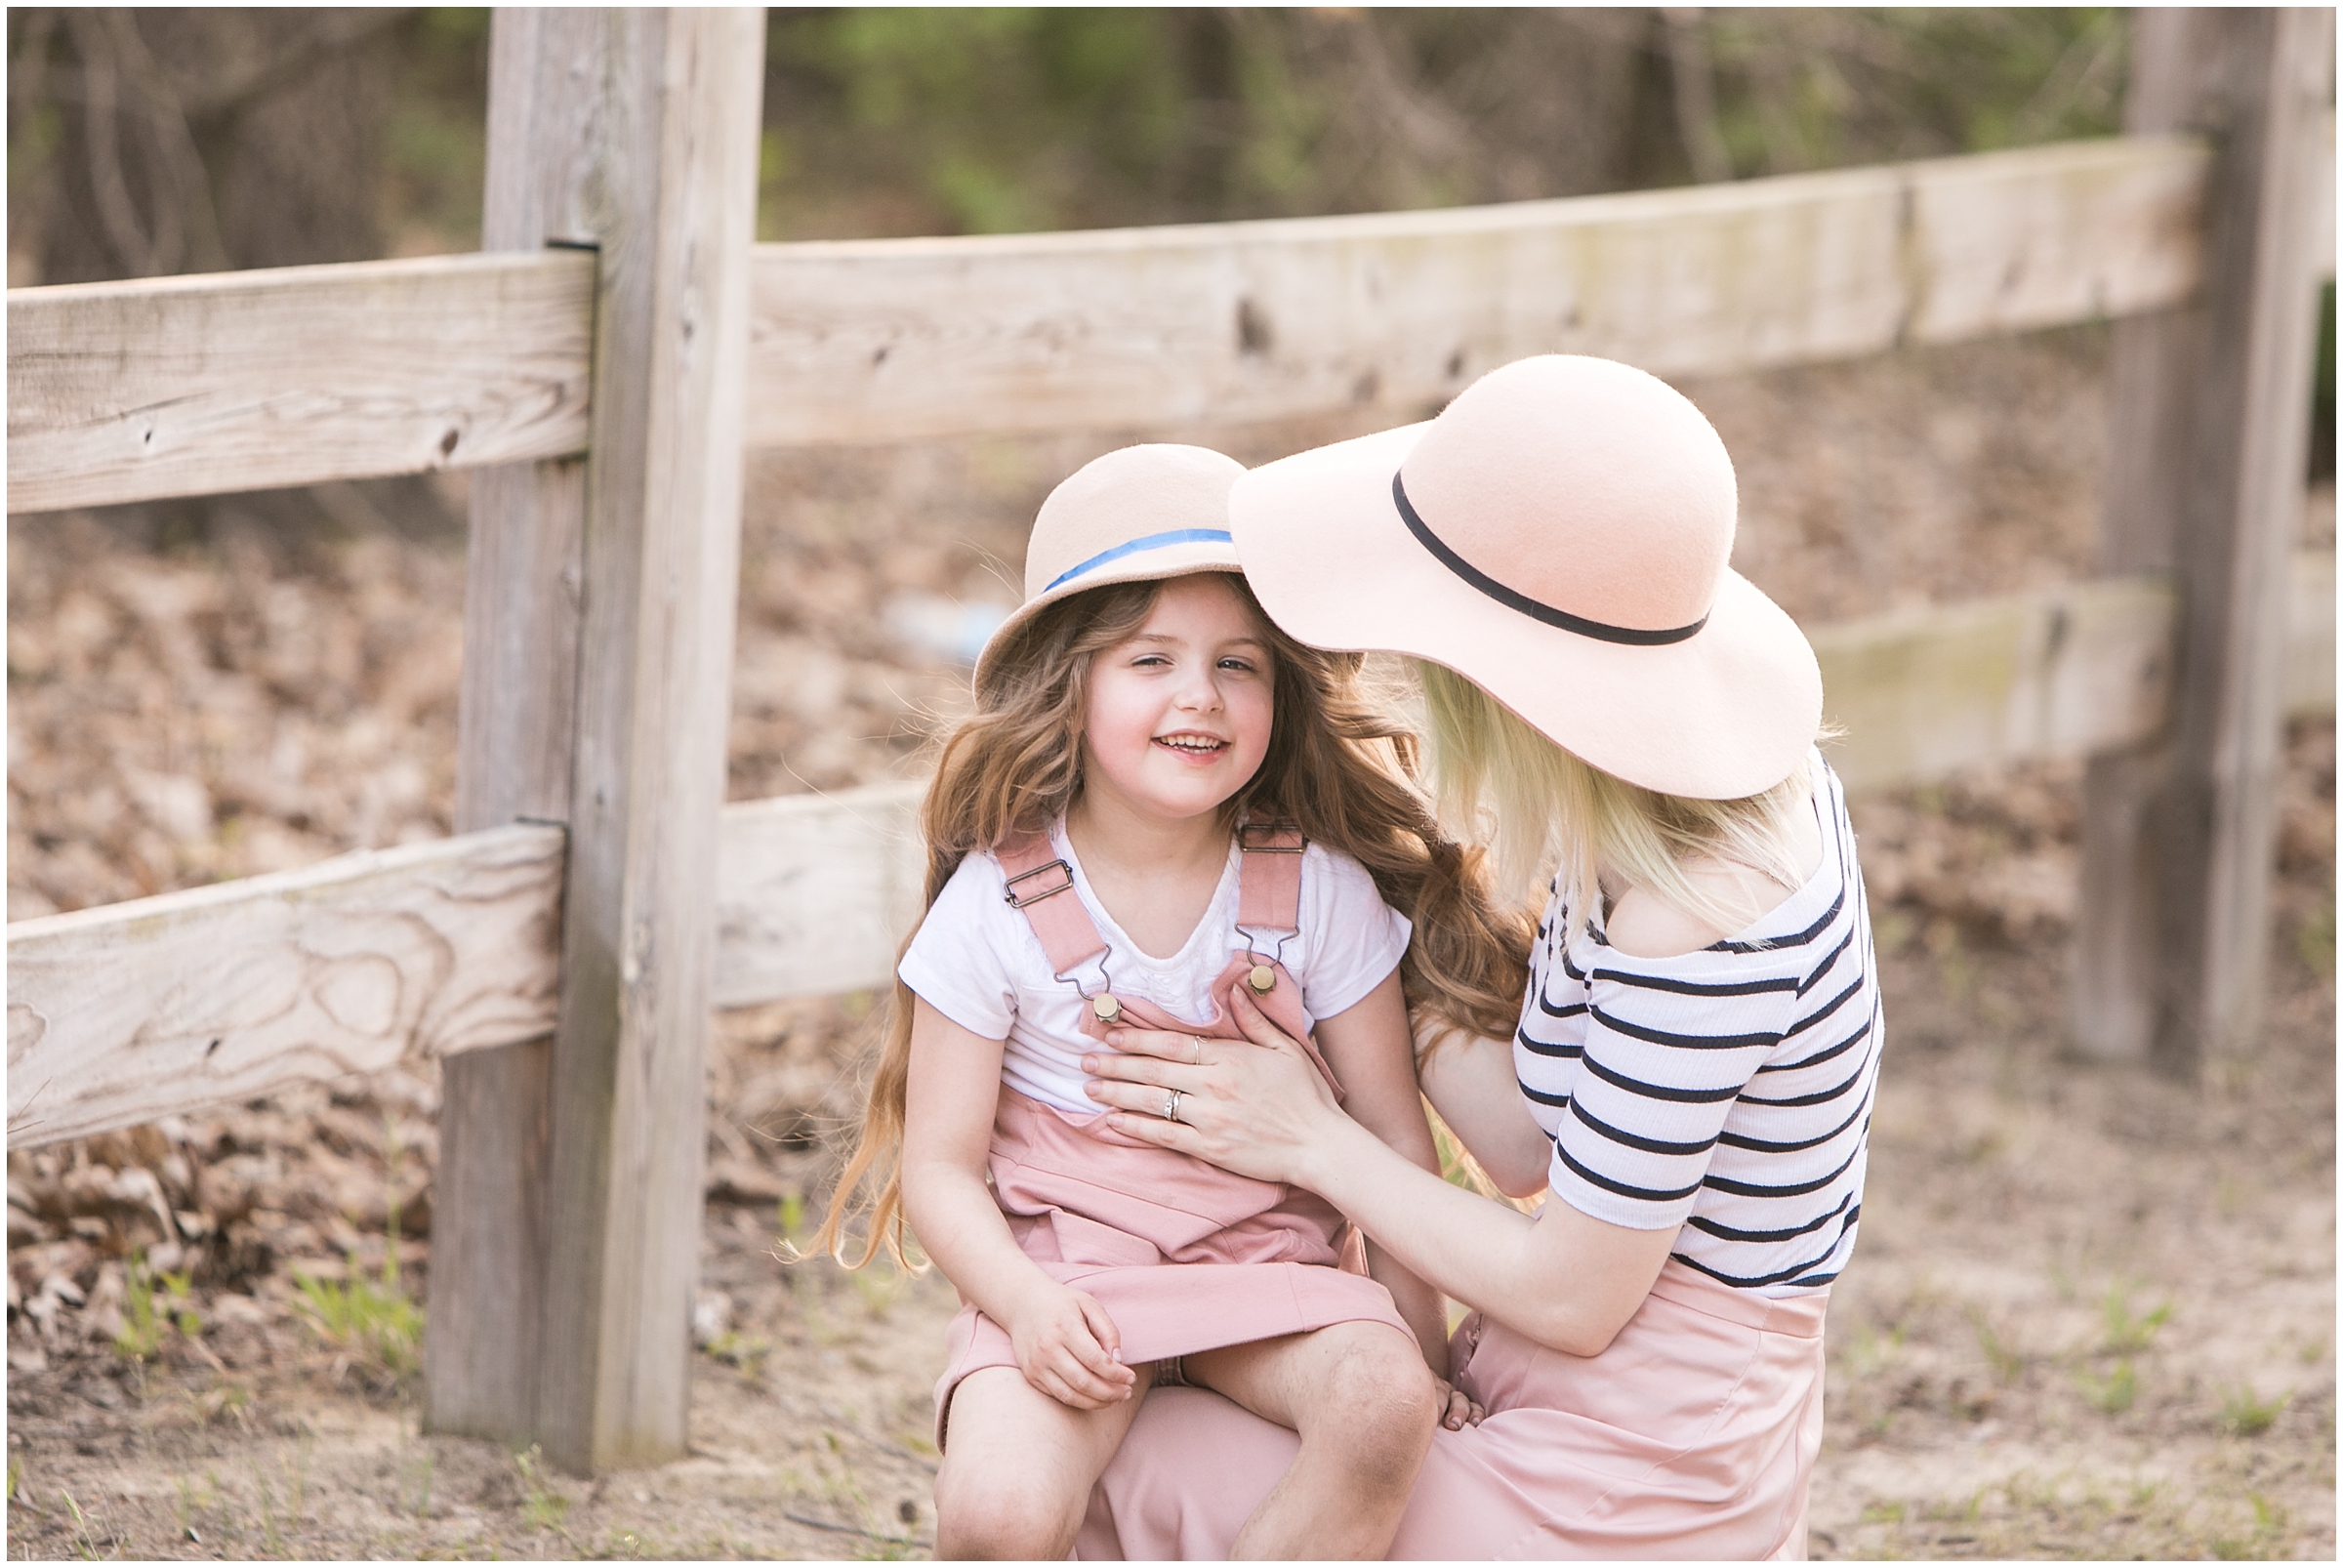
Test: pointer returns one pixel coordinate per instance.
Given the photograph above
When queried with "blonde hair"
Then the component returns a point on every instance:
(1339, 766)
(1501, 779)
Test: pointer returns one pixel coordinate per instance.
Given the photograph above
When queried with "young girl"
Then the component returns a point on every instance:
(1160, 802)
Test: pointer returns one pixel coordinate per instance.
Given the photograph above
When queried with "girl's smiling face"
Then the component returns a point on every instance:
(1178, 713)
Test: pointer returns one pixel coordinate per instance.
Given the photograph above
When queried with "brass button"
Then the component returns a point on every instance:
(1106, 1008)
(1262, 979)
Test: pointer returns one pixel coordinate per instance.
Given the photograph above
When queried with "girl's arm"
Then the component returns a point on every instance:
(1367, 1045)
(1065, 1342)
(1564, 1279)
(1469, 1080)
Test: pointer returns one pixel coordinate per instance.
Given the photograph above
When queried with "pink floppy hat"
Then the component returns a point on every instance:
(1138, 513)
(1559, 536)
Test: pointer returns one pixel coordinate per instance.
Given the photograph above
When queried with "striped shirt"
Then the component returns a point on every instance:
(1727, 1092)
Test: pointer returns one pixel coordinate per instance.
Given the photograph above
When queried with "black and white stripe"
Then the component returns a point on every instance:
(1727, 1092)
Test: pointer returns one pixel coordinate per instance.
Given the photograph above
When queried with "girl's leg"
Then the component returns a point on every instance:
(1364, 1405)
(1019, 1466)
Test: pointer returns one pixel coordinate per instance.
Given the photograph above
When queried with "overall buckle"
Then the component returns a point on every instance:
(1017, 901)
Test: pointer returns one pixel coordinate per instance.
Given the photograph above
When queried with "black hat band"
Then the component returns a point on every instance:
(1534, 609)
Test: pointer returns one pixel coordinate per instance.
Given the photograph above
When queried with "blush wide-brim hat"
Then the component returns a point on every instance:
(1136, 515)
(1558, 536)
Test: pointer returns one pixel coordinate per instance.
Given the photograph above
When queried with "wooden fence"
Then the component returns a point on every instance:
(606, 358)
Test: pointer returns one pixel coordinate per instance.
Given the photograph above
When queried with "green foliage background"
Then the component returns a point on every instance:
(884, 121)
(250, 131)
(982, 120)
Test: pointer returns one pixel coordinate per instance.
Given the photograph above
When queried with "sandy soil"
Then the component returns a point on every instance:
(2093, 1315)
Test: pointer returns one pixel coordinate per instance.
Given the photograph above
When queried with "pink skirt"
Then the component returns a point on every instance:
(1183, 1255)
(1692, 1436)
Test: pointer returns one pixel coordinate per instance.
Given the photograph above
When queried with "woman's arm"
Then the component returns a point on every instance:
(1367, 1045)
(1564, 1279)
(1065, 1342)
(1469, 1080)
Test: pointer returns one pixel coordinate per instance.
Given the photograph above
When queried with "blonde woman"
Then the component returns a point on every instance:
(1692, 1075)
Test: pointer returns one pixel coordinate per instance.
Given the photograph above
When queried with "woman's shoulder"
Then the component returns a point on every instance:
(1642, 924)
(1643, 928)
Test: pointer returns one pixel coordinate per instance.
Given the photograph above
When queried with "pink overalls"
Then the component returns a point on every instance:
(1106, 1214)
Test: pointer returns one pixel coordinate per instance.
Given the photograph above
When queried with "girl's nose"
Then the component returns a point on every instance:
(1198, 691)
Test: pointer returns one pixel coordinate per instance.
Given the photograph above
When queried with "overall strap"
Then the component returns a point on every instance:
(1037, 876)
(1269, 885)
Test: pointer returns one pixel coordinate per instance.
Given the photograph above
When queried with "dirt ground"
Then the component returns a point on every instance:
(2092, 1314)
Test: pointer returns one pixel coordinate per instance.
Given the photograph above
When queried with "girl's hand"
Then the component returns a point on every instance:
(1458, 1409)
(1259, 1109)
(1065, 1345)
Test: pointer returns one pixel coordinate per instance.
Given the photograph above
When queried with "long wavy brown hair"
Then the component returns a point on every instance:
(1339, 766)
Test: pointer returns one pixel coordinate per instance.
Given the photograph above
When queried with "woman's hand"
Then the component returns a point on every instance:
(1259, 1109)
(1065, 1345)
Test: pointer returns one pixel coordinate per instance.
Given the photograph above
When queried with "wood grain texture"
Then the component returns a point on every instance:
(899, 340)
(814, 892)
(121, 391)
(2321, 135)
(2206, 447)
(163, 1005)
(2310, 685)
(647, 122)
(523, 605)
(2063, 673)
(240, 381)
(523, 601)
(488, 1242)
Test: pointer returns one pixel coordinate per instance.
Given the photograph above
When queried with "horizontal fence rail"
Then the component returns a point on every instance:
(2059, 673)
(2311, 632)
(814, 892)
(891, 340)
(125, 391)
(164, 1006)
(242, 380)
(120, 1014)
(189, 386)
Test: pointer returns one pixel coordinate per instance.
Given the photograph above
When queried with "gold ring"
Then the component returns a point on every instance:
(1198, 1038)
(1171, 1104)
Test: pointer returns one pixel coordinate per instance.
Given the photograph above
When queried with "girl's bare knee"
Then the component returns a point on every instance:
(998, 1514)
(1380, 1401)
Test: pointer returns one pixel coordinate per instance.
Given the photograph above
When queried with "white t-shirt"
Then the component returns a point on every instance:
(978, 963)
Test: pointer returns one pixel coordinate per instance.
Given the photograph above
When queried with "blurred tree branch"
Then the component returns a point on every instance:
(199, 138)
(1694, 83)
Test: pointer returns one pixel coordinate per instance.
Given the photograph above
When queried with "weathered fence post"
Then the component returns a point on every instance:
(596, 693)
(2205, 482)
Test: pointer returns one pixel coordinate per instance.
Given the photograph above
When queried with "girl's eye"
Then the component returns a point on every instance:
(1233, 663)
(1150, 661)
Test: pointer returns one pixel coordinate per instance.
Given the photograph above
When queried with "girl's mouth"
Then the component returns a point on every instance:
(1197, 746)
